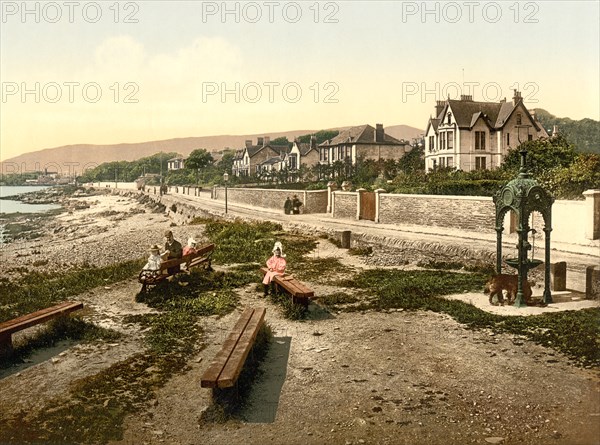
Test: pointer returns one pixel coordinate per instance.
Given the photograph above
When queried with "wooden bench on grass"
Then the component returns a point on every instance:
(299, 291)
(227, 365)
(7, 328)
(203, 255)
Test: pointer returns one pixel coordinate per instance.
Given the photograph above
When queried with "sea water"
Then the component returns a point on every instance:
(9, 206)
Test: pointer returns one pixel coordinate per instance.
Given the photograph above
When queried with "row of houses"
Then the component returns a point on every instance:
(462, 134)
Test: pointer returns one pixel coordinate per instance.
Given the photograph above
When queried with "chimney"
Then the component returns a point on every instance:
(379, 133)
(248, 143)
(555, 132)
(260, 142)
(516, 97)
(466, 98)
(503, 101)
(313, 141)
(267, 140)
(439, 106)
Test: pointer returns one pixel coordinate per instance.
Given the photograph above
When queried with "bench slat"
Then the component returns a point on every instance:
(211, 375)
(236, 361)
(38, 317)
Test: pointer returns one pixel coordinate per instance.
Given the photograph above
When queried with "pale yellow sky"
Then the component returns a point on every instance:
(143, 71)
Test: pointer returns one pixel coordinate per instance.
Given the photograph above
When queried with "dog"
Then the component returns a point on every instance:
(509, 283)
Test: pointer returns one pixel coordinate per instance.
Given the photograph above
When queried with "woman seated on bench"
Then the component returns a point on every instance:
(154, 262)
(276, 265)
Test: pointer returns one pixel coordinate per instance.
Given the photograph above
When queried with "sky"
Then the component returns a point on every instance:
(111, 72)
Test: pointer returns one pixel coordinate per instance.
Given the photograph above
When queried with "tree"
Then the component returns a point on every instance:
(543, 155)
(198, 160)
(283, 140)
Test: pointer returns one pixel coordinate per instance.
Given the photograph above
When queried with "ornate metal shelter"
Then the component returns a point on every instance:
(524, 195)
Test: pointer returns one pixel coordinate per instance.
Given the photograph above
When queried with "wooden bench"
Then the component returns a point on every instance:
(9, 327)
(227, 365)
(299, 291)
(203, 255)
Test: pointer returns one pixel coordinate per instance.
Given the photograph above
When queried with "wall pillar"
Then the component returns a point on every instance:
(331, 187)
(359, 193)
(378, 193)
(592, 214)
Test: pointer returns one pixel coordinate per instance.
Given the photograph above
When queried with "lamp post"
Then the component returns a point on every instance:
(225, 179)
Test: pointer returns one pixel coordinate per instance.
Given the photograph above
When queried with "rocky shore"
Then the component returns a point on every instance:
(92, 228)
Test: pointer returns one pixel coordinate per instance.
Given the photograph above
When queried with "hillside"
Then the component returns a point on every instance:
(70, 159)
(584, 133)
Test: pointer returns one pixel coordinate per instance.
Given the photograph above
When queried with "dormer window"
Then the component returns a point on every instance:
(519, 120)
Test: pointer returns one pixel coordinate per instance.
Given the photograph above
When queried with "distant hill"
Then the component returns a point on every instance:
(584, 133)
(77, 158)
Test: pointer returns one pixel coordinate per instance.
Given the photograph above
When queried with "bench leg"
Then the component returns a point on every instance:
(6, 346)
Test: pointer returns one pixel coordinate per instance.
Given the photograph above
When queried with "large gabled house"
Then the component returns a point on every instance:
(363, 142)
(469, 135)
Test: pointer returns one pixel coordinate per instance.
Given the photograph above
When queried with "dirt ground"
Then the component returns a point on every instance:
(391, 377)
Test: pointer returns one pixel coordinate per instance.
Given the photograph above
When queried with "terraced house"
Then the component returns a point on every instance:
(469, 135)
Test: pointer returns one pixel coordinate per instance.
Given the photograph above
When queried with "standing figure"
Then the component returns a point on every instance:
(296, 203)
(287, 206)
(276, 265)
(172, 250)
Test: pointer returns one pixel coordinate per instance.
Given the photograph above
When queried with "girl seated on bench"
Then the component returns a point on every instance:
(154, 262)
(276, 265)
(191, 247)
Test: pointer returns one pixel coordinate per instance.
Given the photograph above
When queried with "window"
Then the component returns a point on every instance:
(431, 143)
(479, 162)
(450, 140)
(442, 162)
(450, 161)
(449, 118)
(530, 137)
(480, 140)
(519, 120)
(507, 139)
(443, 141)
(293, 162)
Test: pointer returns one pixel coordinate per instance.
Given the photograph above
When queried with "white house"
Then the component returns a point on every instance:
(470, 135)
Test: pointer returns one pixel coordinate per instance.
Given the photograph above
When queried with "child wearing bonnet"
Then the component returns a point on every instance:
(276, 265)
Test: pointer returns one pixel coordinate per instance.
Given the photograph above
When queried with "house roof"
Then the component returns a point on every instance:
(304, 148)
(272, 161)
(179, 158)
(363, 134)
(467, 112)
(253, 149)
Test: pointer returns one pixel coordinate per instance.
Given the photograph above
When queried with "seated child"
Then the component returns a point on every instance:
(154, 261)
(191, 247)
(276, 265)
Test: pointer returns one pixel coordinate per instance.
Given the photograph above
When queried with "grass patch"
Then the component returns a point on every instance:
(360, 251)
(37, 291)
(252, 242)
(290, 310)
(337, 299)
(323, 270)
(61, 328)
